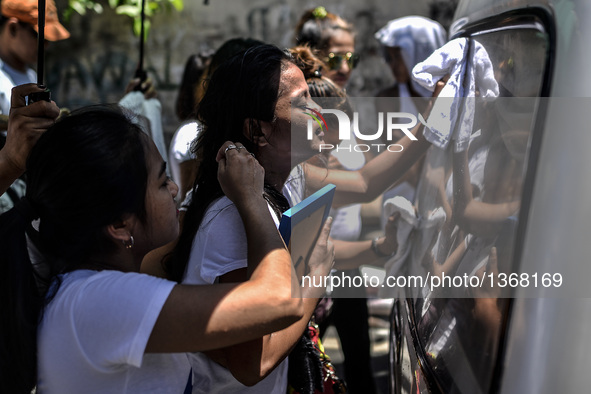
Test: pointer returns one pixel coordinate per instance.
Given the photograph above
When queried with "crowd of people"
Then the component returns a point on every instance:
(121, 279)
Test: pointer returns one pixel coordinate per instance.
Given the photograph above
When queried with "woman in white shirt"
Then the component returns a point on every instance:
(261, 98)
(98, 200)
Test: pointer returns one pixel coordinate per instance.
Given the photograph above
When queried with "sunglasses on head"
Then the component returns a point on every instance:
(334, 60)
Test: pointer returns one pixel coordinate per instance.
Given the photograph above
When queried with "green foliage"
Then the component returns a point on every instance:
(131, 8)
(81, 6)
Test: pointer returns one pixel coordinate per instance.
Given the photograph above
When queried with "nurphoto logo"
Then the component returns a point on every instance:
(387, 122)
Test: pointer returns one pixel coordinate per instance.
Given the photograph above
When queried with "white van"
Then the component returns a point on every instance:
(518, 218)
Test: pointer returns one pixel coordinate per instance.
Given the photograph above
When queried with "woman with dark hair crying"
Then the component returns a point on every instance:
(260, 99)
(248, 97)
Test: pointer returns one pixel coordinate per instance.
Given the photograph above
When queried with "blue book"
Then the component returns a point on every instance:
(300, 225)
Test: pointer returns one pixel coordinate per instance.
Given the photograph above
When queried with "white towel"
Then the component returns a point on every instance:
(406, 224)
(452, 113)
(151, 109)
(417, 37)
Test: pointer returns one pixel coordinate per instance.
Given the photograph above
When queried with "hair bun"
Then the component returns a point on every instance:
(306, 61)
(320, 12)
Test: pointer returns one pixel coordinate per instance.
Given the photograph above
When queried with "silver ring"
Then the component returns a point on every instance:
(232, 146)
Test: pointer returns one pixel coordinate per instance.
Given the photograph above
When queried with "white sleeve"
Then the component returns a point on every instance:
(114, 314)
(220, 246)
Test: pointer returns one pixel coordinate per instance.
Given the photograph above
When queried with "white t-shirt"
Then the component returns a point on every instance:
(9, 78)
(94, 333)
(220, 247)
(295, 186)
(346, 224)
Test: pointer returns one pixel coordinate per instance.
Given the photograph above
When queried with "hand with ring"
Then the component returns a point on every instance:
(239, 173)
(231, 146)
(238, 148)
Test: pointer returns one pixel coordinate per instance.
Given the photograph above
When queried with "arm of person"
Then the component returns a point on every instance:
(486, 219)
(367, 183)
(252, 361)
(352, 254)
(477, 217)
(25, 126)
(450, 264)
(199, 318)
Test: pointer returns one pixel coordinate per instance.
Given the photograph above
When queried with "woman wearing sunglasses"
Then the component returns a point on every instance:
(333, 39)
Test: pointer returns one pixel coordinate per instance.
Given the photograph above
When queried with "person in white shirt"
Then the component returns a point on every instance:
(256, 77)
(259, 97)
(98, 201)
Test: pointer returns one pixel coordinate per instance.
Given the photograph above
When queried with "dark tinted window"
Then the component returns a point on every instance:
(480, 189)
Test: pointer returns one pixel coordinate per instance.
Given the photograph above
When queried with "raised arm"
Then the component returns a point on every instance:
(480, 218)
(250, 362)
(352, 254)
(25, 126)
(367, 183)
(198, 318)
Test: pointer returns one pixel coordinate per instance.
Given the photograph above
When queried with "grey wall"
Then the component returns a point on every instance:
(96, 63)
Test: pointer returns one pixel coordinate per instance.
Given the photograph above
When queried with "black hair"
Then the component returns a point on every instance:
(186, 104)
(229, 49)
(223, 53)
(198, 71)
(315, 29)
(86, 171)
(242, 92)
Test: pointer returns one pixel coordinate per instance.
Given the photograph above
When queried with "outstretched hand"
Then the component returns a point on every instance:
(440, 84)
(239, 173)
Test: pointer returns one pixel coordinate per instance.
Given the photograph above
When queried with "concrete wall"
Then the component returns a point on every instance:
(96, 63)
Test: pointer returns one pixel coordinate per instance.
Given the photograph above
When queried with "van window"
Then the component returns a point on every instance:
(479, 188)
